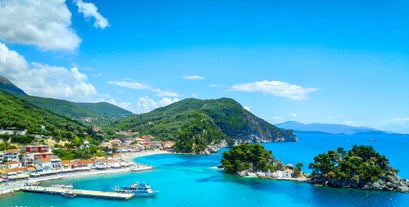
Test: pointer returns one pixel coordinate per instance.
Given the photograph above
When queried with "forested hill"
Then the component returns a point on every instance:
(223, 116)
(77, 111)
(20, 115)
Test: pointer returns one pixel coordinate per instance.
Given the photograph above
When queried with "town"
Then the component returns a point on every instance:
(34, 161)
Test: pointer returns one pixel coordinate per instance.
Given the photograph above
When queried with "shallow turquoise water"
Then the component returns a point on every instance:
(187, 180)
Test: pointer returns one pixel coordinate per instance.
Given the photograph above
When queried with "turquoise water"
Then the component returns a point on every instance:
(187, 180)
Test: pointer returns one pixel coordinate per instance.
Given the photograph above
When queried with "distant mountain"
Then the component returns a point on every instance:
(327, 128)
(78, 111)
(9, 87)
(204, 122)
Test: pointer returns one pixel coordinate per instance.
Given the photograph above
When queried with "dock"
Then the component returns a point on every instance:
(78, 192)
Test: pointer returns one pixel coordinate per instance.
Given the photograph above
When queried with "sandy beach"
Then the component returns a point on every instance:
(7, 188)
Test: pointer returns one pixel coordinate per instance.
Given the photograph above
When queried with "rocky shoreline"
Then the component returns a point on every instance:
(392, 183)
(386, 183)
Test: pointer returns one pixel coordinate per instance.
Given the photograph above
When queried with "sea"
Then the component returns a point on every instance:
(194, 180)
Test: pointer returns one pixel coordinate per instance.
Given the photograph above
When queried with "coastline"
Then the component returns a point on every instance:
(7, 188)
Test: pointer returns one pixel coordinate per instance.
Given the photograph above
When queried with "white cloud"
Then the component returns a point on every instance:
(247, 108)
(161, 93)
(193, 77)
(167, 101)
(89, 10)
(350, 123)
(294, 115)
(142, 86)
(400, 121)
(144, 104)
(276, 88)
(276, 118)
(45, 80)
(132, 85)
(46, 24)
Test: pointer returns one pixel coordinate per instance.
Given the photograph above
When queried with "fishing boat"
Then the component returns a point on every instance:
(138, 189)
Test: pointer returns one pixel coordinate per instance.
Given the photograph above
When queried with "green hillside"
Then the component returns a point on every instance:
(19, 114)
(217, 119)
(78, 111)
(99, 112)
(104, 109)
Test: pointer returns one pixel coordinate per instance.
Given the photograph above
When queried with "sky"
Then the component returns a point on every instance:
(344, 62)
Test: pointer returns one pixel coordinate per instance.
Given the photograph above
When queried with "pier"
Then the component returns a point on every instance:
(77, 192)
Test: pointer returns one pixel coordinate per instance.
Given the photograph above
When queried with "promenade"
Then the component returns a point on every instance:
(78, 192)
(11, 187)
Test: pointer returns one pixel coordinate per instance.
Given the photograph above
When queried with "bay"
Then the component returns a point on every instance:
(192, 180)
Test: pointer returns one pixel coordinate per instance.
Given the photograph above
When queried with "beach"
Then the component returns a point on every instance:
(10, 187)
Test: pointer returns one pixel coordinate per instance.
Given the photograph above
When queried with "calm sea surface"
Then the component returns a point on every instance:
(187, 180)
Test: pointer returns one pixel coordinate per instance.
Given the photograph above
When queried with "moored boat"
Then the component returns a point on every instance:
(138, 189)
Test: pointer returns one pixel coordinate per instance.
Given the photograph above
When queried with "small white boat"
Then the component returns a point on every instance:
(138, 189)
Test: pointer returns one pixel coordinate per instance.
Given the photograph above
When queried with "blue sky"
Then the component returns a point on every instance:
(341, 62)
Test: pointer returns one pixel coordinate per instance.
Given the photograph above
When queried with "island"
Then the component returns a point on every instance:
(254, 160)
(361, 167)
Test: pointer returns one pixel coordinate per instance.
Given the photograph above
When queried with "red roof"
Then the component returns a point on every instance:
(47, 159)
(12, 151)
(12, 162)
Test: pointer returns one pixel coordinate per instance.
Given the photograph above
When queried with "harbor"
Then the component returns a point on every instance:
(77, 192)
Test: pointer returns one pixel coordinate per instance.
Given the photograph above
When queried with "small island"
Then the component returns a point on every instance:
(361, 167)
(254, 160)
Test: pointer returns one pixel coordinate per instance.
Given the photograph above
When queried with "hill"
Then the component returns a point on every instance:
(328, 128)
(360, 167)
(9, 87)
(212, 120)
(19, 115)
(78, 111)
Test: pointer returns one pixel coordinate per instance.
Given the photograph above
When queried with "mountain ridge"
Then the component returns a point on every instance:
(9, 87)
(224, 116)
(328, 128)
(73, 110)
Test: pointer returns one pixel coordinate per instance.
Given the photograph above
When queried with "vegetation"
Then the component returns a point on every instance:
(70, 154)
(94, 113)
(20, 115)
(250, 157)
(297, 172)
(197, 132)
(356, 168)
(192, 123)
(101, 113)
(204, 121)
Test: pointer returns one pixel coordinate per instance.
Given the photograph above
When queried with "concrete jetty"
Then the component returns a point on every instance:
(77, 192)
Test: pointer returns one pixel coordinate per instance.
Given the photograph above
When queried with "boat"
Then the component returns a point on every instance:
(62, 186)
(68, 194)
(138, 189)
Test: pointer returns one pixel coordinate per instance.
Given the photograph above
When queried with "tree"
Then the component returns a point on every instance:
(355, 168)
(297, 170)
(251, 157)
